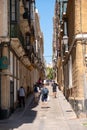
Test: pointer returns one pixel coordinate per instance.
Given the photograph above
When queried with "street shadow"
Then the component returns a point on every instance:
(27, 116)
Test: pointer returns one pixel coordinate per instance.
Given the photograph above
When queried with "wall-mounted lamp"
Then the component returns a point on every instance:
(86, 58)
(65, 41)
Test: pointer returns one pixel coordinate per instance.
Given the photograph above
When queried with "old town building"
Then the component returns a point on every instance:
(71, 65)
(21, 51)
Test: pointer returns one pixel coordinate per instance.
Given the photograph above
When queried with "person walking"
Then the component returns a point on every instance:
(22, 96)
(54, 89)
(36, 93)
(44, 93)
(39, 83)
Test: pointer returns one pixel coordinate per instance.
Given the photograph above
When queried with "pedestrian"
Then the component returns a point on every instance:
(36, 93)
(40, 82)
(22, 96)
(54, 89)
(44, 93)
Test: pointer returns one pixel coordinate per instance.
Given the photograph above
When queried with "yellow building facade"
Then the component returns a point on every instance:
(76, 57)
(72, 61)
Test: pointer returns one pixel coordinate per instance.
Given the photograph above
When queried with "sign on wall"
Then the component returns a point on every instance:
(3, 62)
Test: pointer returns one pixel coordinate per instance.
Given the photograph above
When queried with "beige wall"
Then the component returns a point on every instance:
(77, 19)
(84, 15)
(3, 18)
(20, 70)
(77, 24)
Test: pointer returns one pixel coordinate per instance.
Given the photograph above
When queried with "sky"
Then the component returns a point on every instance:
(46, 13)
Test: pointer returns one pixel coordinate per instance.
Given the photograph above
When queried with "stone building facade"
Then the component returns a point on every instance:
(72, 36)
(19, 55)
(76, 58)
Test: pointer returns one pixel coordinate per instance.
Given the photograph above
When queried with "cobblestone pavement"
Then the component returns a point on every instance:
(57, 114)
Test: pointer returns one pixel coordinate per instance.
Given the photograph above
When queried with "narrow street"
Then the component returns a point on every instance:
(43, 40)
(56, 115)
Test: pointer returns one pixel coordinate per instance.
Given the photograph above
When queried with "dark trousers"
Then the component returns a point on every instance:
(22, 101)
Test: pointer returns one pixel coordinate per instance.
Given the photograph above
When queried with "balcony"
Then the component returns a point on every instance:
(15, 32)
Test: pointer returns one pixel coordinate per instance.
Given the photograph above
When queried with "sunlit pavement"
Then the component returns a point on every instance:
(57, 114)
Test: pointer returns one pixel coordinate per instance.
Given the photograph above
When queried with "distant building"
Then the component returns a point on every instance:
(49, 65)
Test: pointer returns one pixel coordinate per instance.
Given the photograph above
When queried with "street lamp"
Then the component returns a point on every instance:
(65, 42)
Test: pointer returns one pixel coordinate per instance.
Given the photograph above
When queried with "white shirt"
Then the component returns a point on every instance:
(21, 92)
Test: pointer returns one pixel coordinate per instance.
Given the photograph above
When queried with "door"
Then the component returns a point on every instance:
(12, 96)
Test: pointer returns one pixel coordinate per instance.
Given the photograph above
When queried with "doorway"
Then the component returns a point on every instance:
(12, 96)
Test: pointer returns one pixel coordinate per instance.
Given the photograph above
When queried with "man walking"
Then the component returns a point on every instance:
(54, 89)
(44, 93)
(22, 96)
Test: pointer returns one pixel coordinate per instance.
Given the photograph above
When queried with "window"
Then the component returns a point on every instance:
(64, 6)
(13, 10)
(32, 11)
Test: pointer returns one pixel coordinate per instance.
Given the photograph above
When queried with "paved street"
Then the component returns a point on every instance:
(56, 115)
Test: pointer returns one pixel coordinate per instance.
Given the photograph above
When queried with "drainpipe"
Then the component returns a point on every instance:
(82, 37)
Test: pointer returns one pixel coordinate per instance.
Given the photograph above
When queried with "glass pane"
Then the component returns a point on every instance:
(65, 6)
(13, 17)
(13, 8)
(13, 2)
